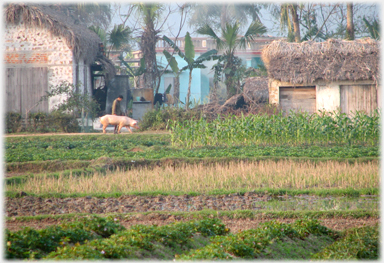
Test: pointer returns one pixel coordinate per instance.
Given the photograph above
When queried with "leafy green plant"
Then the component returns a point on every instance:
(75, 103)
(131, 243)
(12, 122)
(31, 243)
(102, 226)
(251, 243)
(356, 243)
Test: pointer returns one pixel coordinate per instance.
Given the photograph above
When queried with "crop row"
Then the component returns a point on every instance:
(294, 129)
(209, 239)
(24, 150)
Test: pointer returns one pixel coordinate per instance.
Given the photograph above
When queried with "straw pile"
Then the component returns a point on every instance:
(332, 60)
(256, 90)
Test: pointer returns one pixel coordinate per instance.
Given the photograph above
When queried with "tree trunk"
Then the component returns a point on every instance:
(213, 96)
(350, 34)
(176, 91)
(296, 25)
(189, 90)
(148, 47)
(223, 16)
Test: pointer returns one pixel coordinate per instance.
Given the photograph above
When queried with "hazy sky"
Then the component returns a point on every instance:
(173, 22)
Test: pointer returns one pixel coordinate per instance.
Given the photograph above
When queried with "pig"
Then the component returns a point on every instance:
(122, 121)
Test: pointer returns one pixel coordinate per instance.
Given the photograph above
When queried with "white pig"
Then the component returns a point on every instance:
(122, 121)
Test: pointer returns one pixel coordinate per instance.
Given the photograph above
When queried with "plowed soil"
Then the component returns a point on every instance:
(161, 205)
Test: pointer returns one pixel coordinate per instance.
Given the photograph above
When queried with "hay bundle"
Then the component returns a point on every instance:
(256, 90)
(333, 60)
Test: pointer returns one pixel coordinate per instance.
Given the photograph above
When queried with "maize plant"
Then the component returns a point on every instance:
(321, 128)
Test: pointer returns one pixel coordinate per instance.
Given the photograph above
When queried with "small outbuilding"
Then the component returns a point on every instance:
(331, 75)
(44, 47)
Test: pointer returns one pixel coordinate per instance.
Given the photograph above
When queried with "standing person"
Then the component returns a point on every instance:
(116, 110)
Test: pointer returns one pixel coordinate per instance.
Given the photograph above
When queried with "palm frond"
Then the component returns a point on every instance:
(119, 36)
(207, 30)
(255, 28)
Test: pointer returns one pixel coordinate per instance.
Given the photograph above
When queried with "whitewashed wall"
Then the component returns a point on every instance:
(37, 47)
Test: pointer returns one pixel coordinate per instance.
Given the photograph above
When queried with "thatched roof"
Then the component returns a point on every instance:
(83, 42)
(333, 60)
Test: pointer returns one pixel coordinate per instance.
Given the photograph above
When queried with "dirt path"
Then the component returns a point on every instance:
(234, 224)
(86, 133)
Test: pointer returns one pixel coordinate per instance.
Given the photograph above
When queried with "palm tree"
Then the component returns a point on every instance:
(288, 16)
(150, 14)
(229, 42)
(189, 57)
(118, 37)
(217, 15)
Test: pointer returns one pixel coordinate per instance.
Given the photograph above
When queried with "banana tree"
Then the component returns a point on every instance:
(189, 57)
(134, 72)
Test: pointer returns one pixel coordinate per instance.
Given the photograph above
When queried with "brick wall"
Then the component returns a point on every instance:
(37, 47)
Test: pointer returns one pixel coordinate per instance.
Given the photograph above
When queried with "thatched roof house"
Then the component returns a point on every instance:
(328, 75)
(43, 43)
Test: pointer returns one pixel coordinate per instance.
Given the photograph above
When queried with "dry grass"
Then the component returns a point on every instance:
(283, 174)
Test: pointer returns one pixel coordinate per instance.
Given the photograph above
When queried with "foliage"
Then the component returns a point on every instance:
(12, 122)
(92, 147)
(229, 42)
(119, 36)
(189, 57)
(150, 15)
(251, 243)
(31, 243)
(102, 226)
(42, 122)
(131, 243)
(221, 13)
(73, 101)
(157, 119)
(75, 241)
(357, 243)
(374, 28)
(294, 129)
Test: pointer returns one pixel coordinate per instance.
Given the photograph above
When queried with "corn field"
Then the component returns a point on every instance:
(320, 128)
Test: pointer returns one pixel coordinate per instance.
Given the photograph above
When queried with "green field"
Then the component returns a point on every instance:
(317, 168)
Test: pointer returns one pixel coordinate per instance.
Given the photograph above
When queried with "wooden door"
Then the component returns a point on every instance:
(298, 99)
(358, 98)
(24, 88)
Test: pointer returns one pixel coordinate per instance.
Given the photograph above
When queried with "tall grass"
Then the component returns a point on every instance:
(248, 176)
(294, 129)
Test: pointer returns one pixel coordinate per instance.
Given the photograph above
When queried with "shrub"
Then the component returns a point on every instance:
(157, 119)
(63, 122)
(357, 243)
(12, 122)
